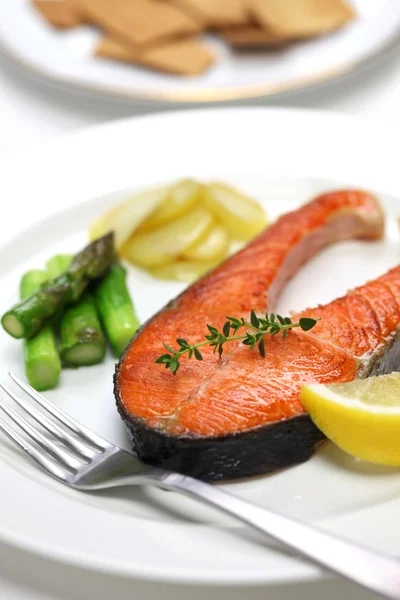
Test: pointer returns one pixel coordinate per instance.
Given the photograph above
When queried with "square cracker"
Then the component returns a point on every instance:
(252, 36)
(181, 57)
(216, 13)
(297, 19)
(61, 14)
(139, 22)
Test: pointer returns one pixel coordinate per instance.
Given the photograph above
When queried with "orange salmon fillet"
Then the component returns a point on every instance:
(243, 391)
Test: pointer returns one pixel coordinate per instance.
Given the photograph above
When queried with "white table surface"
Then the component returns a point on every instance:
(31, 113)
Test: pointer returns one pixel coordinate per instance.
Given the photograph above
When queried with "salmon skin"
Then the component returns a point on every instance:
(240, 415)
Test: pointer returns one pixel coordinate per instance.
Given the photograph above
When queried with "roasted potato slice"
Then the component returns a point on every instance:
(164, 244)
(182, 196)
(213, 245)
(124, 218)
(242, 217)
(186, 270)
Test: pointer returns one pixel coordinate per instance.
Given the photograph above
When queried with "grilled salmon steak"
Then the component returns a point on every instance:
(240, 415)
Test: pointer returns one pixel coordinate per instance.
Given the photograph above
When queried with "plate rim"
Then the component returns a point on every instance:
(91, 135)
(208, 96)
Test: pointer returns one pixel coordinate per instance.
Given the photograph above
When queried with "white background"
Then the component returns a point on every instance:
(33, 113)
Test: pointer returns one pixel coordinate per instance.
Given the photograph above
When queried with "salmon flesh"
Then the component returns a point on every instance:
(240, 415)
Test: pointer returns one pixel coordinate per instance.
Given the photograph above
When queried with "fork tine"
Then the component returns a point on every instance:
(59, 414)
(63, 457)
(42, 460)
(51, 427)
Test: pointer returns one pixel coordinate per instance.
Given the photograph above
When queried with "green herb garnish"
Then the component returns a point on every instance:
(257, 329)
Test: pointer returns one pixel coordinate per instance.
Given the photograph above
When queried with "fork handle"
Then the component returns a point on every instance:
(369, 569)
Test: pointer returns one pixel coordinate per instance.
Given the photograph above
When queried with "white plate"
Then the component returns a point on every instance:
(49, 197)
(65, 58)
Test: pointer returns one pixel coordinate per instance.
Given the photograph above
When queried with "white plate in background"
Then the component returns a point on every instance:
(49, 197)
(65, 58)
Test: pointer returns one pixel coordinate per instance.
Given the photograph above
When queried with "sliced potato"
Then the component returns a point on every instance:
(242, 217)
(124, 218)
(213, 245)
(168, 241)
(182, 197)
(185, 270)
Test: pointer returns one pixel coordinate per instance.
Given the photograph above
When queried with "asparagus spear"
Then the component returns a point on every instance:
(82, 340)
(25, 319)
(116, 308)
(56, 265)
(42, 362)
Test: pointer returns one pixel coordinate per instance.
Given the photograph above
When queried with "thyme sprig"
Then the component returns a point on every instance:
(256, 330)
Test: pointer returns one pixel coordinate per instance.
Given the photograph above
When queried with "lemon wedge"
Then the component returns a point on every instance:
(362, 417)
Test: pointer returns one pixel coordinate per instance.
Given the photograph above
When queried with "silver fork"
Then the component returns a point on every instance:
(87, 462)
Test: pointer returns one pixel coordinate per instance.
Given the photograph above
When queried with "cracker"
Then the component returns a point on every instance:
(181, 57)
(61, 14)
(298, 19)
(140, 22)
(252, 36)
(216, 13)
